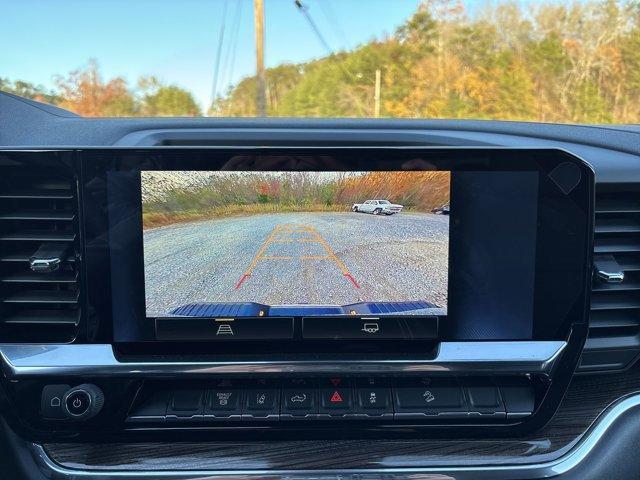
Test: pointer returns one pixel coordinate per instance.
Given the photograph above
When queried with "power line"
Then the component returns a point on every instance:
(334, 22)
(228, 63)
(214, 90)
(303, 9)
(307, 15)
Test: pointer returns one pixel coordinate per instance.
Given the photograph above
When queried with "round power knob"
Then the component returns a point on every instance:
(83, 402)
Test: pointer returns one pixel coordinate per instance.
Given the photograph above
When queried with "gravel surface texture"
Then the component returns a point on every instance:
(310, 258)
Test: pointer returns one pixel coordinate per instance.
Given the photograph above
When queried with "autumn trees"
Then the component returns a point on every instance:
(553, 62)
(87, 93)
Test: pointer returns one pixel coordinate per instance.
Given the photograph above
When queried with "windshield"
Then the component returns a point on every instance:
(551, 61)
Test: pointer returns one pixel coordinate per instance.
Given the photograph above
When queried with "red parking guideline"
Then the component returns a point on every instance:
(352, 280)
(242, 279)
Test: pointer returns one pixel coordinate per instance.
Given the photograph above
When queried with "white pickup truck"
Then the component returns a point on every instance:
(377, 207)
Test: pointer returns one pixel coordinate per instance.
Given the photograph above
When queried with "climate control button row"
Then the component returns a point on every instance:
(337, 398)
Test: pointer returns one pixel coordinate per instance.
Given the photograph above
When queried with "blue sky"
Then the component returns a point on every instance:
(177, 40)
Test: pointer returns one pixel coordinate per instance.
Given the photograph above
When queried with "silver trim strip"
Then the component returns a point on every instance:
(96, 360)
(552, 468)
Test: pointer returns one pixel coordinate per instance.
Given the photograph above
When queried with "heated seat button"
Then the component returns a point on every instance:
(51, 402)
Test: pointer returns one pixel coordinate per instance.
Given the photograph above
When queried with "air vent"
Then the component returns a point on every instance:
(614, 326)
(39, 260)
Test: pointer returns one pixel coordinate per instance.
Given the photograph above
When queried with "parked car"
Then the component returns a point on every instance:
(443, 210)
(377, 207)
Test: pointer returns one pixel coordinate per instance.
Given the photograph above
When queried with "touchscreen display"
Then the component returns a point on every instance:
(247, 243)
(361, 246)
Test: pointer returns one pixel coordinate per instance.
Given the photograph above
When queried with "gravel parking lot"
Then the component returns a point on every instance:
(298, 258)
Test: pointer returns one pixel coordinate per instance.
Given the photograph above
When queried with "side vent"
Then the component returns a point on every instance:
(614, 325)
(39, 255)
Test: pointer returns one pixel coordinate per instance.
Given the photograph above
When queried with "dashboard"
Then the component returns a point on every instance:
(208, 298)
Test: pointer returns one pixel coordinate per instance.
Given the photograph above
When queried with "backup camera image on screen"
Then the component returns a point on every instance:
(295, 243)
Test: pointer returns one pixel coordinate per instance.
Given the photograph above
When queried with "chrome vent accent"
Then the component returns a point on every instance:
(614, 325)
(39, 254)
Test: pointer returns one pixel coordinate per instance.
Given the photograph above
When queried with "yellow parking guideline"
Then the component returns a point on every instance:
(315, 237)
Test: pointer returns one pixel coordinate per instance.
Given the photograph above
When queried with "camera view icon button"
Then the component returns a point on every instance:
(371, 327)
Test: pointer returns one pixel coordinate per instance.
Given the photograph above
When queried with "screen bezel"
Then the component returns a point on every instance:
(95, 163)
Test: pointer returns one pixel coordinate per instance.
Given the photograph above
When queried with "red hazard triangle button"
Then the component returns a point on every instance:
(336, 398)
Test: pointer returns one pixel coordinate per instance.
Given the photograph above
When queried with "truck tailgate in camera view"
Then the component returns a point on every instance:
(242, 239)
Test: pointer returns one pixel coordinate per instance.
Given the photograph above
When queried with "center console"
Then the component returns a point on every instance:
(393, 290)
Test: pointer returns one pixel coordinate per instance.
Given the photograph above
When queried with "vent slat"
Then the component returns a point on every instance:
(614, 303)
(35, 215)
(617, 225)
(45, 317)
(23, 256)
(35, 194)
(614, 320)
(621, 342)
(33, 277)
(625, 205)
(620, 287)
(38, 236)
(616, 245)
(43, 297)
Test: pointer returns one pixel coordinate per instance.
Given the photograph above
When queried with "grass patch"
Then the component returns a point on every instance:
(162, 219)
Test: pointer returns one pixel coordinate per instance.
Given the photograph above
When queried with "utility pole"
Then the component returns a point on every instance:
(258, 16)
(376, 96)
